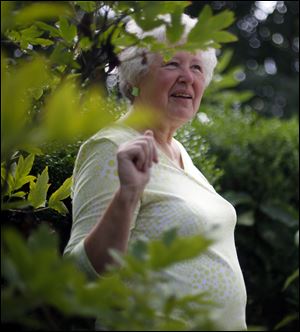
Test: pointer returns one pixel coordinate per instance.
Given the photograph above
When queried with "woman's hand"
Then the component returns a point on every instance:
(135, 158)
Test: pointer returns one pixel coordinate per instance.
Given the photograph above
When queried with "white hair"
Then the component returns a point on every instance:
(135, 62)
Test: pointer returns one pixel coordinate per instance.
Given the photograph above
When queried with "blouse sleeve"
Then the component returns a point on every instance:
(95, 181)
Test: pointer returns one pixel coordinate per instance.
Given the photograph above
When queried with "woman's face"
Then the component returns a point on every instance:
(173, 88)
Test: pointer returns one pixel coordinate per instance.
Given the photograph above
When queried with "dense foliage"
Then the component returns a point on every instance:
(56, 56)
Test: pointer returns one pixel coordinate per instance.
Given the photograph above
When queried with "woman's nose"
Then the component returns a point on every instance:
(186, 76)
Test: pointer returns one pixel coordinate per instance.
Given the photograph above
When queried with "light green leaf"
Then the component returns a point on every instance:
(224, 37)
(207, 31)
(205, 14)
(31, 32)
(38, 190)
(61, 193)
(23, 168)
(24, 180)
(46, 27)
(60, 207)
(19, 194)
(221, 21)
(68, 31)
(175, 29)
(162, 255)
(42, 42)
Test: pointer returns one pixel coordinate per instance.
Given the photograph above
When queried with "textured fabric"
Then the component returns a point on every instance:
(174, 197)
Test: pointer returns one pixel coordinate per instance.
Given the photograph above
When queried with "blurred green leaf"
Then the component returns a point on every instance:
(85, 43)
(16, 112)
(224, 60)
(281, 212)
(162, 255)
(237, 198)
(246, 218)
(41, 11)
(290, 279)
(285, 321)
(6, 15)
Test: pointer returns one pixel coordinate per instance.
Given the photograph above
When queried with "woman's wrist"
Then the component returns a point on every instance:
(129, 195)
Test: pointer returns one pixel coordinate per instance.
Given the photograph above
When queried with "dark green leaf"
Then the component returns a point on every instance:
(88, 6)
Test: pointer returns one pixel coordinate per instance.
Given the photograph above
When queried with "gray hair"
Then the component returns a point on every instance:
(135, 62)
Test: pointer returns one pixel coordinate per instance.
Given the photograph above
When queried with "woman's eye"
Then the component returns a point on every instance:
(197, 67)
(172, 64)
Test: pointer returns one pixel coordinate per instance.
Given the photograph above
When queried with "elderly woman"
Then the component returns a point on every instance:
(130, 182)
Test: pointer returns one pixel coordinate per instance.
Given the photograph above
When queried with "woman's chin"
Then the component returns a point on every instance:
(183, 114)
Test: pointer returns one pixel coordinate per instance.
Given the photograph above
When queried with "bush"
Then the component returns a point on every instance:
(260, 160)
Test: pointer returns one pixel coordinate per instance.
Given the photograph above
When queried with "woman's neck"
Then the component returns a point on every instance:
(163, 131)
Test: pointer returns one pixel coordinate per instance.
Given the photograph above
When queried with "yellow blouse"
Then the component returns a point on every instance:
(174, 197)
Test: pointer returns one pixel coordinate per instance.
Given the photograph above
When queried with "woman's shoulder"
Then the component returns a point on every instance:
(115, 133)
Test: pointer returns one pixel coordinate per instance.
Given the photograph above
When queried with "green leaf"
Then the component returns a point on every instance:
(22, 170)
(37, 93)
(42, 42)
(41, 11)
(175, 29)
(68, 31)
(169, 236)
(62, 55)
(6, 15)
(290, 279)
(59, 207)
(237, 198)
(207, 31)
(139, 250)
(280, 212)
(31, 32)
(47, 27)
(224, 60)
(224, 37)
(246, 218)
(21, 204)
(285, 321)
(15, 112)
(85, 43)
(61, 193)
(204, 16)
(162, 255)
(38, 190)
(19, 194)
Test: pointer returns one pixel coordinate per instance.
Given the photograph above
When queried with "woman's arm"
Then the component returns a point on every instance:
(112, 230)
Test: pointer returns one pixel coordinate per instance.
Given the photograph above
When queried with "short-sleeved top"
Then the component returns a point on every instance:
(173, 197)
